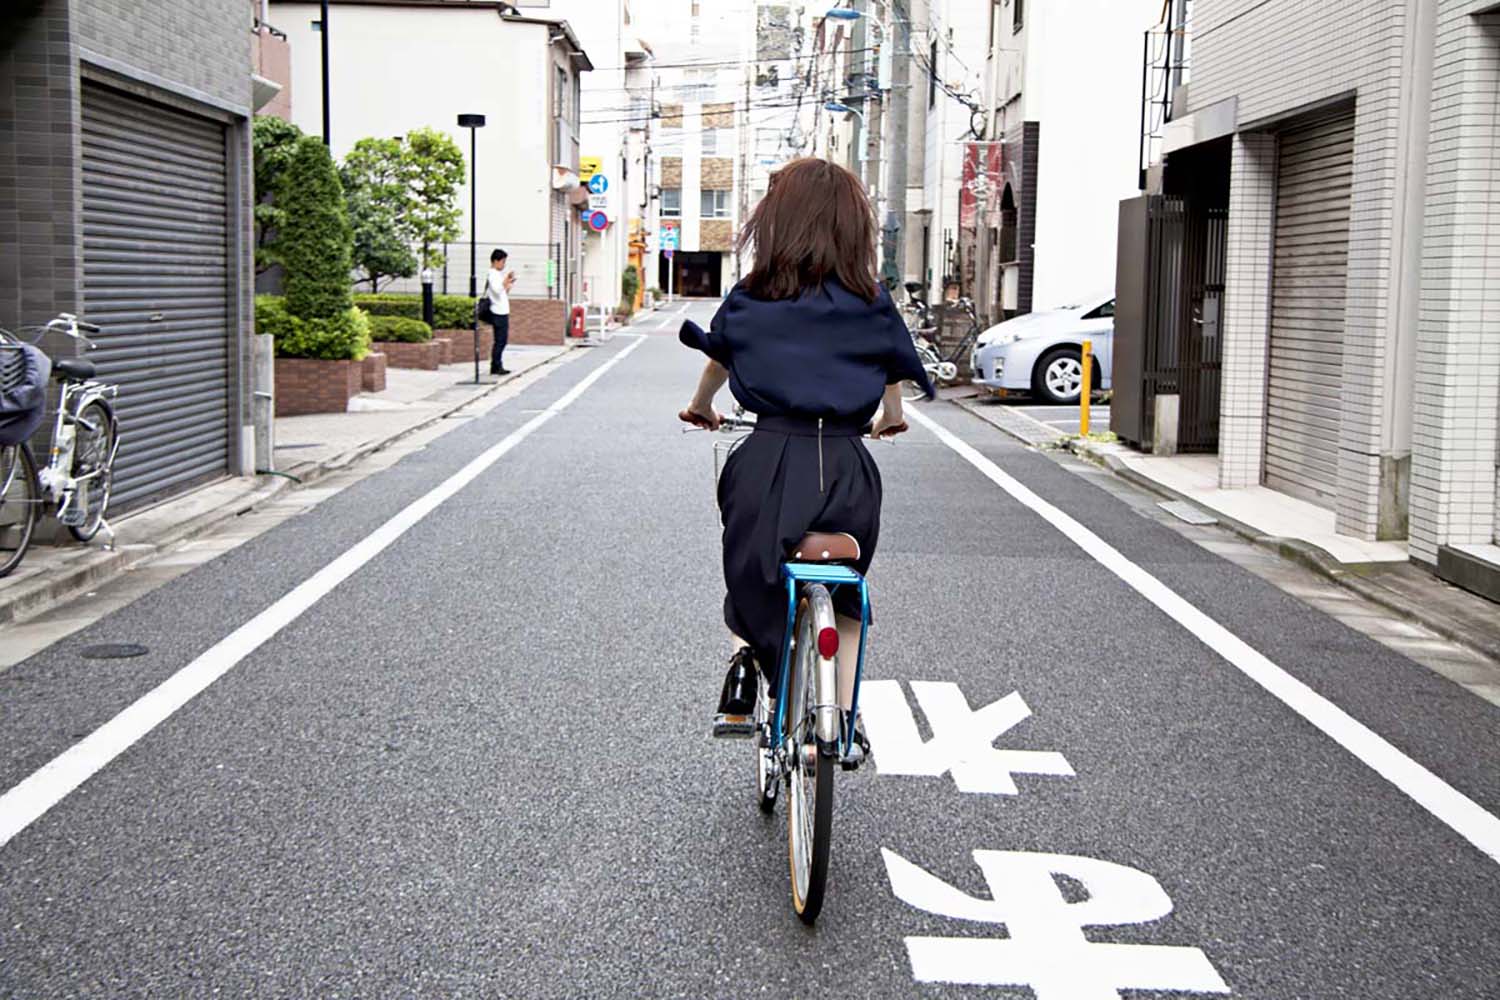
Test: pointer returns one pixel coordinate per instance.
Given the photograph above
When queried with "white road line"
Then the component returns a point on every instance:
(53, 781)
(1465, 816)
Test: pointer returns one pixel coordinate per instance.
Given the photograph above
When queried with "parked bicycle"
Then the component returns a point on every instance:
(79, 473)
(806, 730)
(941, 367)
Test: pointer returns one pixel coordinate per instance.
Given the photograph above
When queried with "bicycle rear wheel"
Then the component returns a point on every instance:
(809, 814)
(19, 501)
(93, 455)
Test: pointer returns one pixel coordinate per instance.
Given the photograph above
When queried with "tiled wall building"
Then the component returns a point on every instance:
(125, 196)
(1361, 355)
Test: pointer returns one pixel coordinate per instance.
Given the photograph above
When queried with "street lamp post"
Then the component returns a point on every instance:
(472, 123)
(427, 308)
(840, 108)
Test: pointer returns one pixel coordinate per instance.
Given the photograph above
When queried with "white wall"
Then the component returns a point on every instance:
(393, 69)
(959, 27)
(1090, 135)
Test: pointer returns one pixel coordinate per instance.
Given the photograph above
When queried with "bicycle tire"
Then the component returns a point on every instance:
(19, 492)
(100, 449)
(810, 774)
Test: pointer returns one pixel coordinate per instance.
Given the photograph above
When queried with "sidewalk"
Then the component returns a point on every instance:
(1295, 529)
(307, 448)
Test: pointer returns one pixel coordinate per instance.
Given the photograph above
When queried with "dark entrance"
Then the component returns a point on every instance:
(696, 273)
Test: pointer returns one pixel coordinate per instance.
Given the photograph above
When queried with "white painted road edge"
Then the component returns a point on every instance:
(1465, 816)
(55, 780)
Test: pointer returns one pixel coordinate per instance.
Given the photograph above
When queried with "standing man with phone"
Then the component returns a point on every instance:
(495, 308)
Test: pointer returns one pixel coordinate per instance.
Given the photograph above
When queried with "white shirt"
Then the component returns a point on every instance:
(494, 287)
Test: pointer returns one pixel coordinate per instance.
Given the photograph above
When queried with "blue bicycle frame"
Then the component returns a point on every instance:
(832, 576)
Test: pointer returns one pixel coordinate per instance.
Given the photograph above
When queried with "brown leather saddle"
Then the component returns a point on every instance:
(826, 546)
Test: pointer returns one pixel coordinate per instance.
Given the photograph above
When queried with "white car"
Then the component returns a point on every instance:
(1042, 352)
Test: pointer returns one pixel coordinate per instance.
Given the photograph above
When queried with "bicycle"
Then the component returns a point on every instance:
(940, 368)
(805, 732)
(79, 474)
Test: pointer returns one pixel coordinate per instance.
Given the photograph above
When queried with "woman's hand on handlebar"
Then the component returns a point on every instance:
(705, 417)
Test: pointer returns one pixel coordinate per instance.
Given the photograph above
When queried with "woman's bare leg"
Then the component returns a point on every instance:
(848, 659)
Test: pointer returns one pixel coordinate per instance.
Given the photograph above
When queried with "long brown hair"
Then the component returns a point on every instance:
(815, 223)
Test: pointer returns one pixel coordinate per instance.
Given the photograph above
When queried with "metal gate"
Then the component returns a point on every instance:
(156, 278)
(1305, 365)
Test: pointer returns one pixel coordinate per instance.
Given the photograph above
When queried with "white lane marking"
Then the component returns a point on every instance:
(1045, 947)
(962, 738)
(53, 781)
(1462, 814)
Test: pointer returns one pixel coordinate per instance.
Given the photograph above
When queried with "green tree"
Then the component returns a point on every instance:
(375, 189)
(316, 244)
(272, 141)
(433, 171)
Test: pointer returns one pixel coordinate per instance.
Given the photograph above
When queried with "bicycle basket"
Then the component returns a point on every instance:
(24, 371)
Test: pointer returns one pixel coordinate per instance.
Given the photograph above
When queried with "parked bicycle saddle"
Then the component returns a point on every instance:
(821, 546)
(76, 369)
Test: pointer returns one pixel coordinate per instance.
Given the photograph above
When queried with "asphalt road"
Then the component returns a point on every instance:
(472, 759)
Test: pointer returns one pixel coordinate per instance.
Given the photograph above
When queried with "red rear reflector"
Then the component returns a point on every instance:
(828, 642)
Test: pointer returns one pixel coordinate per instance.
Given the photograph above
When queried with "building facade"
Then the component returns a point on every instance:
(438, 60)
(1360, 372)
(125, 197)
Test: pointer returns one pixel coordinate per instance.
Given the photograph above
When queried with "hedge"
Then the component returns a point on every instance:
(449, 312)
(345, 337)
(400, 328)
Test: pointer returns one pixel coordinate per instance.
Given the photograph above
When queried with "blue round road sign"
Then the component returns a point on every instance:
(598, 222)
(598, 184)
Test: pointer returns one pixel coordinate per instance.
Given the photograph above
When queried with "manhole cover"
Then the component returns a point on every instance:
(114, 651)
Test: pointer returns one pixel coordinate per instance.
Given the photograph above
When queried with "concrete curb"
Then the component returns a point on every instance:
(1352, 577)
(94, 567)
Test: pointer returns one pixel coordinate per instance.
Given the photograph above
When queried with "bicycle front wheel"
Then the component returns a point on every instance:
(93, 465)
(809, 814)
(19, 500)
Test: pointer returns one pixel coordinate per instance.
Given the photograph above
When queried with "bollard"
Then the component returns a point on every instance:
(1087, 389)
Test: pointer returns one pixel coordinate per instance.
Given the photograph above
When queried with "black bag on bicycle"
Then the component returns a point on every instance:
(24, 371)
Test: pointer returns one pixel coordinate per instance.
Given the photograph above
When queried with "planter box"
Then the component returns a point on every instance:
(538, 321)
(372, 377)
(462, 343)
(308, 385)
(426, 356)
(446, 339)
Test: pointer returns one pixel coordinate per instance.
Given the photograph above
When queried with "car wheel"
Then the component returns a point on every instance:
(1058, 377)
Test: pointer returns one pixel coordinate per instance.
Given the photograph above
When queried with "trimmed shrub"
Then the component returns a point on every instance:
(630, 283)
(315, 239)
(402, 328)
(345, 337)
(449, 312)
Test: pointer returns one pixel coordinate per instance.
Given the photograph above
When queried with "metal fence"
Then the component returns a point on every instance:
(533, 263)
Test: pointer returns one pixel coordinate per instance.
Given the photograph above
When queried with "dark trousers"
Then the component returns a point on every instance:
(502, 337)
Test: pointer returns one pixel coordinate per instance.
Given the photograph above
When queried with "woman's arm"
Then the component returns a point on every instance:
(890, 421)
(700, 410)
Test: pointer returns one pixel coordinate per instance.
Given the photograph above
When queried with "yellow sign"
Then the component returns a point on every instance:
(588, 166)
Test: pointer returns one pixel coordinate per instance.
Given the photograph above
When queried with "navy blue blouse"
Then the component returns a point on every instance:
(827, 353)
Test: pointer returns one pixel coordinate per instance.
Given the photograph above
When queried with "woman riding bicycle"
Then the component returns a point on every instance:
(811, 343)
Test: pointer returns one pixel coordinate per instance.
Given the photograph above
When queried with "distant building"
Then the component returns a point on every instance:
(395, 66)
(125, 194)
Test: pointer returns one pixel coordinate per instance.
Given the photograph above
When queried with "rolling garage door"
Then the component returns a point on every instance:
(156, 278)
(1307, 308)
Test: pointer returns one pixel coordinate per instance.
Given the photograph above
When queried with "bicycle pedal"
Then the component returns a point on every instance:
(733, 727)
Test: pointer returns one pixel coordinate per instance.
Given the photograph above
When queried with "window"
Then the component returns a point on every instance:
(715, 140)
(932, 58)
(715, 205)
(1103, 312)
(671, 203)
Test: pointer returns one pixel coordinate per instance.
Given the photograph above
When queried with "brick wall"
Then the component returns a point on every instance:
(372, 372)
(424, 357)
(307, 385)
(671, 171)
(1456, 403)
(538, 321)
(461, 342)
(716, 173)
(671, 116)
(715, 234)
(718, 115)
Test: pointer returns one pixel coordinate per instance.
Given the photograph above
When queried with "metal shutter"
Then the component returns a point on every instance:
(156, 278)
(1310, 265)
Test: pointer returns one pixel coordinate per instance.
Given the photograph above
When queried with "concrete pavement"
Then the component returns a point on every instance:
(477, 763)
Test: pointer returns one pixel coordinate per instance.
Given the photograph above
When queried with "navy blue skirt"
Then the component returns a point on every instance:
(781, 482)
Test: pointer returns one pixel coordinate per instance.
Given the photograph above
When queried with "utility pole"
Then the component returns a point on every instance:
(323, 30)
(893, 244)
(856, 63)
